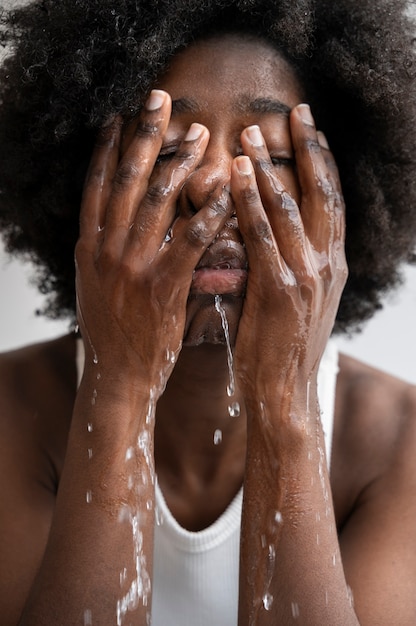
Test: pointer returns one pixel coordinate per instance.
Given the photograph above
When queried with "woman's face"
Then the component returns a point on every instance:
(227, 84)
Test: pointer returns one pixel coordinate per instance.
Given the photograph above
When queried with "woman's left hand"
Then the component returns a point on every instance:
(297, 266)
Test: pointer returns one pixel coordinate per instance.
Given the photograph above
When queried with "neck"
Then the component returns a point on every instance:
(194, 432)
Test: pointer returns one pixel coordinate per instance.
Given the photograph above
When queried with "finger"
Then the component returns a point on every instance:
(158, 207)
(339, 204)
(99, 178)
(191, 237)
(132, 176)
(262, 249)
(321, 190)
(277, 189)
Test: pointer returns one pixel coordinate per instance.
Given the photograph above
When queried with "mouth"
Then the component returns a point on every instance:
(222, 270)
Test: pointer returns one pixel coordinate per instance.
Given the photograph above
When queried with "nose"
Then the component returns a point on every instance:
(212, 173)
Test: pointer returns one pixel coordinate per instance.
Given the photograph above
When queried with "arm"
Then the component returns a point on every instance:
(291, 570)
(132, 289)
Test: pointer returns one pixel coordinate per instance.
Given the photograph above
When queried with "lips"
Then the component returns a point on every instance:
(221, 270)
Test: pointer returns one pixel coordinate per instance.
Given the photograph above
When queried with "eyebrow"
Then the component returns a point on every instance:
(244, 105)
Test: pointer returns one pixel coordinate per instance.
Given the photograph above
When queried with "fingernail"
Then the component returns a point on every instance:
(195, 131)
(322, 140)
(244, 165)
(305, 114)
(255, 136)
(155, 100)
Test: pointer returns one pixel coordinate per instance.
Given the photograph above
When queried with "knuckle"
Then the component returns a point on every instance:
(106, 259)
(196, 234)
(146, 129)
(260, 229)
(249, 196)
(105, 137)
(156, 193)
(311, 144)
(127, 172)
(95, 177)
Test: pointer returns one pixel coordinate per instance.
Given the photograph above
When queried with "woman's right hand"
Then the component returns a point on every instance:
(132, 279)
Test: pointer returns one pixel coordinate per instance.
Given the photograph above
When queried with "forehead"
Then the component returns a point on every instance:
(231, 69)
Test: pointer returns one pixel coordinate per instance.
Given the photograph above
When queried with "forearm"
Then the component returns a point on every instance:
(290, 567)
(98, 561)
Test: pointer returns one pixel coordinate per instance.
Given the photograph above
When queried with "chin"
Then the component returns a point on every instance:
(203, 322)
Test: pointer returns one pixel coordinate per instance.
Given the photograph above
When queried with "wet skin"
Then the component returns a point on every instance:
(252, 87)
(249, 194)
(279, 232)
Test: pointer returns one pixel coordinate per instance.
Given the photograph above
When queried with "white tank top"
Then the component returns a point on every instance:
(195, 574)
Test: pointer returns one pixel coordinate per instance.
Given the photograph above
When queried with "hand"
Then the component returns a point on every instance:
(132, 280)
(297, 267)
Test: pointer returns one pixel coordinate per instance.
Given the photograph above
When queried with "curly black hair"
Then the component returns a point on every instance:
(74, 63)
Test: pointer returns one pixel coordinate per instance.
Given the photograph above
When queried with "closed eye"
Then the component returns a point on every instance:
(282, 161)
(166, 153)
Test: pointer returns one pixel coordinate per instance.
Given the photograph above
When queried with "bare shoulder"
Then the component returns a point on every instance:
(374, 429)
(37, 386)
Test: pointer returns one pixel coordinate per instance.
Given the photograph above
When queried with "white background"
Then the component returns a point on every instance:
(388, 341)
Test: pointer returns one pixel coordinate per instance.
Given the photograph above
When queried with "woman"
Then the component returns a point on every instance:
(210, 267)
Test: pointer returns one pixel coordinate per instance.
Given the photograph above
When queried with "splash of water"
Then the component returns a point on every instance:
(141, 584)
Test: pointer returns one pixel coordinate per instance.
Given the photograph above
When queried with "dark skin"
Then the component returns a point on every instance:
(280, 313)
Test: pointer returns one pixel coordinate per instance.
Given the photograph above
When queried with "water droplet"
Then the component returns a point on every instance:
(168, 235)
(278, 517)
(350, 596)
(170, 356)
(217, 436)
(95, 358)
(94, 397)
(88, 496)
(234, 409)
(267, 601)
(90, 453)
(158, 516)
(129, 453)
(87, 617)
(98, 376)
(149, 505)
(90, 427)
(123, 576)
(295, 610)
